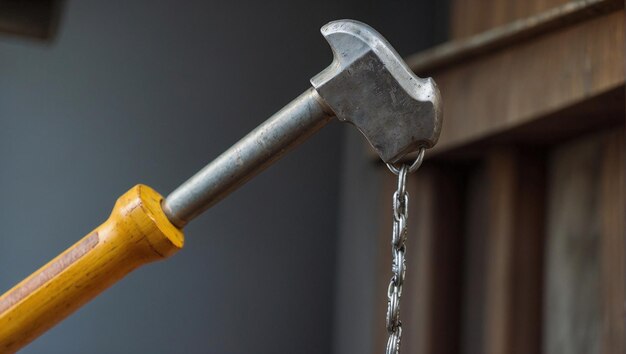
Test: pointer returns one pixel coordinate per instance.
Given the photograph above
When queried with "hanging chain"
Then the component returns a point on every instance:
(398, 250)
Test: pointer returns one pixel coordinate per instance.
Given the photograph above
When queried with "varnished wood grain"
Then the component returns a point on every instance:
(53, 269)
(137, 232)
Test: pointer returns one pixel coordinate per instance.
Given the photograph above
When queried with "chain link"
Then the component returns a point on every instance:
(398, 250)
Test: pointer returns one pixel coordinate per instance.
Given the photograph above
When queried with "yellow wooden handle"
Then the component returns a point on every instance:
(137, 232)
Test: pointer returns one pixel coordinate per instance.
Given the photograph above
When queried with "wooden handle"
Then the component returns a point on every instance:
(137, 232)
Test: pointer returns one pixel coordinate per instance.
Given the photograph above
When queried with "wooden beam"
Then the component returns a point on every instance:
(509, 34)
(468, 17)
(529, 81)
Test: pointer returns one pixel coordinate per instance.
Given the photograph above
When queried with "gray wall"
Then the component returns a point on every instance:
(148, 92)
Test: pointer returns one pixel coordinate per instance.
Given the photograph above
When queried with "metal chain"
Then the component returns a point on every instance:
(398, 250)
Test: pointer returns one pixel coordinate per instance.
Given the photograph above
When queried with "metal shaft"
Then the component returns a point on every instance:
(260, 148)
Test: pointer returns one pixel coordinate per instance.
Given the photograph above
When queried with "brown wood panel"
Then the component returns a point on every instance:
(572, 274)
(539, 268)
(584, 297)
(501, 172)
(475, 261)
(528, 249)
(447, 250)
(612, 246)
(456, 51)
(533, 79)
(514, 251)
(468, 17)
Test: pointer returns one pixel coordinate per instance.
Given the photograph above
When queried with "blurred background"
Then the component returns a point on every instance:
(97, 96)
(516, 231)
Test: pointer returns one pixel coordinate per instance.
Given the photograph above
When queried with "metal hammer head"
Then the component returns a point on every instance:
(369, 85)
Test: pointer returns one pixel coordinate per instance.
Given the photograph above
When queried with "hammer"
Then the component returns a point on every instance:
(367, 85)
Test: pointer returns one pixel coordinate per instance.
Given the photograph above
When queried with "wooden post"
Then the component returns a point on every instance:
(514, 246)
(585, 273)
(612, 244)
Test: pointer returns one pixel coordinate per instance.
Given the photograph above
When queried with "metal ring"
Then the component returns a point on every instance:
(390, 289)
(400, 207)
(393, 312)
(398, 236)
(414, 166)
(393, 342)
(399, 270)
(404, 170)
